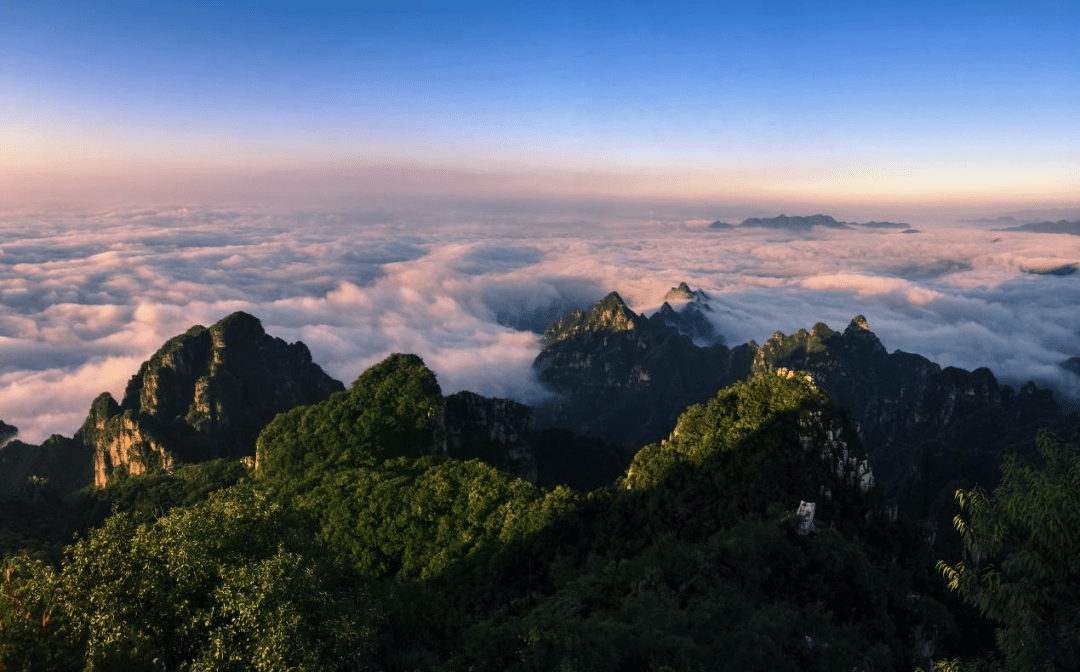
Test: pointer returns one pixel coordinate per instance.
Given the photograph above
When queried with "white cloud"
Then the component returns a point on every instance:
(863, 286)
(85, 298)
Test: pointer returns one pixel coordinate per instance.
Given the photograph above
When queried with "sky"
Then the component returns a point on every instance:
(756, 102)
(445, 178)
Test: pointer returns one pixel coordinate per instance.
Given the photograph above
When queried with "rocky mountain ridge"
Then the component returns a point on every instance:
(204, 394)
(627, 380)
(1060, 226)
(627, 386)
(805, 223)
(209, 392)
(623, 380)
(689, 318)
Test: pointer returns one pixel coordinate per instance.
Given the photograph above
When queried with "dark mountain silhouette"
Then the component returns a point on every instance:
(794, 223)
(689, 318)
(1061, 226)
(805, 223)
(626, 384)
(625, 378)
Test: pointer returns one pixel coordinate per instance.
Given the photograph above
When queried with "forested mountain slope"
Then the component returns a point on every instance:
(388, 526)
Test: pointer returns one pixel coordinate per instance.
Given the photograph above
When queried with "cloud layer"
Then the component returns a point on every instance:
(85, 297)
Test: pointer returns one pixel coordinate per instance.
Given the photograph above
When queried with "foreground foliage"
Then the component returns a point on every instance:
(356, 545)
(231, 583)
(1023, 557)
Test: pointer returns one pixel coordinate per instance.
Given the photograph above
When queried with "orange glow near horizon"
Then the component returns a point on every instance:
(147, 180)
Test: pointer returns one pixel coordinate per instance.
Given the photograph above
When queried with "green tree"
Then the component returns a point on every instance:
(1023, 557)
(234, 582)
(33, 630)
(390, 410)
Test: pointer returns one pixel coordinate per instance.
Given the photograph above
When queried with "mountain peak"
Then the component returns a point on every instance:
(684, 293)
(609, 314)
(204, 394)
(239, 326)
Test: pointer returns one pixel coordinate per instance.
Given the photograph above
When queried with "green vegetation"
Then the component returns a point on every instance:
(390, 410)
(609, 314)
(356, 544)
(1022, 566)
(230, 583)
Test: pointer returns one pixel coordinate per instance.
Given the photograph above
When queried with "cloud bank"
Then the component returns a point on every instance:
(85, 297)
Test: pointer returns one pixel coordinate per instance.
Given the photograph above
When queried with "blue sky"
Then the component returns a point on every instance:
(906, 100)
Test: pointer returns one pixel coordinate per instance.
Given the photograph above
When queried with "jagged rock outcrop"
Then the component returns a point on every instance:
(609, 315)
(626, 378)
(123, 444)
(493, 430)
(628, 387)
(690, 318)
(205, 394)
(684, 293)
(905, 403)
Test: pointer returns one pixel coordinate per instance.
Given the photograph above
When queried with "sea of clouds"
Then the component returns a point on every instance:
(85, 297)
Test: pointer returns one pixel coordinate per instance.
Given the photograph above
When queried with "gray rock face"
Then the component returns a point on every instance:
(205, 394)
(494, 430)
(630, 387)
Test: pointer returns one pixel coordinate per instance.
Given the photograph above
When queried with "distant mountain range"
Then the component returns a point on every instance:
(1061, 226)
(805, 223)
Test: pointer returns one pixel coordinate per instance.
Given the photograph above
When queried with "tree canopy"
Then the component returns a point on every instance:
(356, 544)
(1022, 566)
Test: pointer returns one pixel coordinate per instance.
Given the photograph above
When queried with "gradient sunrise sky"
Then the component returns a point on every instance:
(895, 101)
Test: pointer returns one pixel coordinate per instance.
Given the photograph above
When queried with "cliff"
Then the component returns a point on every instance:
(204, 394)
(629, 386)
(494, 430)
(906, 404)
(625, 378)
